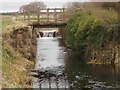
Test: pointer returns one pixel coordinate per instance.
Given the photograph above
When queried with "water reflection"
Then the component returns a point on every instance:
(82, 75)
(57, 68)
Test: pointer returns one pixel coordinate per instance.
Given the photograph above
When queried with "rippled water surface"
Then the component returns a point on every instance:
(56, 68)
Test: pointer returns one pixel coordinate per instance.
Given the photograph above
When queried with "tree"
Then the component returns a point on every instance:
(32, 7)
(71, 9)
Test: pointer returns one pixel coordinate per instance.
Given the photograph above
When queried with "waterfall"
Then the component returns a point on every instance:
(48, 33)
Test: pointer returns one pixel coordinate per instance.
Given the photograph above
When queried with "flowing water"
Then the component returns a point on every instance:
(57, 68)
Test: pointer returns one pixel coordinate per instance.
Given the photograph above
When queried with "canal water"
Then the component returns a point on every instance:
(57, 68)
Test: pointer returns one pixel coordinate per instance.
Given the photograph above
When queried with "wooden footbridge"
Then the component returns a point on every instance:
(45, 18)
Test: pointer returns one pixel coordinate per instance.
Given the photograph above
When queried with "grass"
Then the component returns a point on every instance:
(14, 66)
(14, 69)
(6, 21)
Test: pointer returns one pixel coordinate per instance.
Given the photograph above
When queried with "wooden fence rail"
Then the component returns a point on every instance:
(47, 15)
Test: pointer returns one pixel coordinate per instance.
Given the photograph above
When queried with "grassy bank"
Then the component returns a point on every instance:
(95, 35)
(15, 67)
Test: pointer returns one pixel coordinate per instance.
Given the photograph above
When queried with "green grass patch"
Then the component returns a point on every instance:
(6, 21)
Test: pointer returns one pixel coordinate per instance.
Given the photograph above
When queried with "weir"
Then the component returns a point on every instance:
(48, 33)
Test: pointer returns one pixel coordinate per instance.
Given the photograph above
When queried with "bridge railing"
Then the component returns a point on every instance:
(48, 15)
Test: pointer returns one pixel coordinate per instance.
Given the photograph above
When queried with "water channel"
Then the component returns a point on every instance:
(57, 68)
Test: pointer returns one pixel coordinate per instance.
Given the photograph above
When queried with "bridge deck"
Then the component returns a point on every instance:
(48, 25)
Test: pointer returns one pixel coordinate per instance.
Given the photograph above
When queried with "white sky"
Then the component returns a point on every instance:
(13, 5)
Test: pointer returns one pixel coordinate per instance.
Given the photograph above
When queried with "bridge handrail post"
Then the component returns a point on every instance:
(55, 15)
(38, 16)
(47, 15)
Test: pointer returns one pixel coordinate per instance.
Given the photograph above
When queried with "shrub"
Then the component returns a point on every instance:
(86, 32)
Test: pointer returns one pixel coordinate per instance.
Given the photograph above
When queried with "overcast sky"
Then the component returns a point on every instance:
(13, 5)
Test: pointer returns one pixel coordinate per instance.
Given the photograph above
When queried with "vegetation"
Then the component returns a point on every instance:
(32, 7)
(6, 21)
(14, 66)
(87, 31)
(80, 30)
